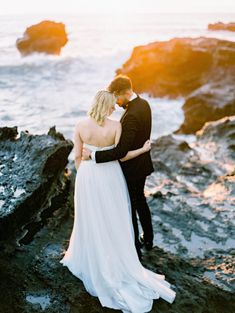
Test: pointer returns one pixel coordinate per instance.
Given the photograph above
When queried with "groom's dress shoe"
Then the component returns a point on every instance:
(148, 244)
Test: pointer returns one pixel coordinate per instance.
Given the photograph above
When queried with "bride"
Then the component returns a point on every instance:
(101, 249)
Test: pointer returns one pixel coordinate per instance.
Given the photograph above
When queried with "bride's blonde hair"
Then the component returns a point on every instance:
(102, 103)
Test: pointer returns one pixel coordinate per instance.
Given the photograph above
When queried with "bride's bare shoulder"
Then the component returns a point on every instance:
(115, 123)
(82, 122)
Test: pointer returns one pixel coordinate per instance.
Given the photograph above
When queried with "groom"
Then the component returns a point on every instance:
(136, 128)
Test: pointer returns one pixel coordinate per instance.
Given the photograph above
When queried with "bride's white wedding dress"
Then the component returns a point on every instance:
(101, 249)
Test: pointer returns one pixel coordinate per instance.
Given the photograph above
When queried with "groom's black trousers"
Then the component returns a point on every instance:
(140, 206)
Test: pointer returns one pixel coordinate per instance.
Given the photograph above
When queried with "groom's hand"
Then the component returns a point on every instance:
(86, 154)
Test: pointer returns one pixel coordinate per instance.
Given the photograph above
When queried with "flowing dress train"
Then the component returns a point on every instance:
(101, 250)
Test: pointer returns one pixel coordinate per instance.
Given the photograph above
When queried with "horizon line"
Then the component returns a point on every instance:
(116, 13)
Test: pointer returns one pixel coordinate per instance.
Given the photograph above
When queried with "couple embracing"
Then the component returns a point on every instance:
(112, 160)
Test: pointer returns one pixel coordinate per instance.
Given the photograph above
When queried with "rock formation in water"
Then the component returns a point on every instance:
(222, 26)
(32, 174)
(47, 37)
(200, 69)
(210, 102)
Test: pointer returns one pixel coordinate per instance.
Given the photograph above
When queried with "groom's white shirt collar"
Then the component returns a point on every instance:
(133, 96)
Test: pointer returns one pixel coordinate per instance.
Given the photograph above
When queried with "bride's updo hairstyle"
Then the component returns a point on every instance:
(101, 105)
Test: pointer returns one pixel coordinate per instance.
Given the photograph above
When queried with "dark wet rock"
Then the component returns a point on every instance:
(222, 26)
(219, 137)
(208, 103)
(32, 172)
(47, 37)
(191, 196)
(35, 272)
(193, 221)
(179, 66)
(8, 133)
(174, 159)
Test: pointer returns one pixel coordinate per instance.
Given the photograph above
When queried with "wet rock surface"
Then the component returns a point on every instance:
(34, 279)
(193, 225)
(47, 37)
(31, 175)
(192, 196)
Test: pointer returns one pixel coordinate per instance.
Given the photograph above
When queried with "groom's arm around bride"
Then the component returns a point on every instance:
(136, 129)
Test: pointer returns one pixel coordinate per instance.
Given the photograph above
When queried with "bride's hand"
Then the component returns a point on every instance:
(86, 154)
(147, 146)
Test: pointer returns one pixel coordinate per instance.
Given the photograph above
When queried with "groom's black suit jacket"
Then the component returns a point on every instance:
(136, 128)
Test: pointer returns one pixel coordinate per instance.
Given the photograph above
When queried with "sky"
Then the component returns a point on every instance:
(118, 6)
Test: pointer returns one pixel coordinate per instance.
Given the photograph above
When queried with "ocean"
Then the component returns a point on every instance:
(39, 91)
(192, 208)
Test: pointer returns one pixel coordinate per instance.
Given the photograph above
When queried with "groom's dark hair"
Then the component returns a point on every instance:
(119, 84)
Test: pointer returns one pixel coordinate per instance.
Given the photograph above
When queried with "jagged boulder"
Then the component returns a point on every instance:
(200, 69)
(32, 172)
(47, 37)
(211, 102)
(179, 66)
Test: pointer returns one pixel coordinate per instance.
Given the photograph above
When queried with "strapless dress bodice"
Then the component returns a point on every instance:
(96, 148)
